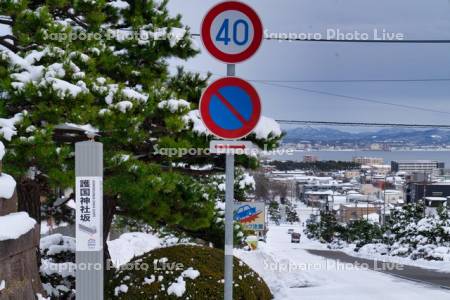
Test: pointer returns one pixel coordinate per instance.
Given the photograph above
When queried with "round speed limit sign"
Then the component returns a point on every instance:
(232, 32)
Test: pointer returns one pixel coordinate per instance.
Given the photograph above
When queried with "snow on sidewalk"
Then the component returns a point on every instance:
(292, 273)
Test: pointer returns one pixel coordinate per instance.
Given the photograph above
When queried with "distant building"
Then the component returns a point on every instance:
(353, 212)
(415, 191)
(418, 166)
(393, 197)
(351, 174)
(310, 158)
(369, 161)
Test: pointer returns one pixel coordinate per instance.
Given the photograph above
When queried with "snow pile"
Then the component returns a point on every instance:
(123, 288)
(178, 288)
(14, 225)
(46, 227)
(174, 105)
(40, 297)
(130, 245)
(7, 186)
(190, 273)
(2, 285)
(267, 128)
(371, 249)
(57, 243)
(268, 264)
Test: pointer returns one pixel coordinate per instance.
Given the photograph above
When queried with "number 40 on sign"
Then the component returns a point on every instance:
(232, 32)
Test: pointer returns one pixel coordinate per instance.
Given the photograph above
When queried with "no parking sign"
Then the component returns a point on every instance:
(230, 108)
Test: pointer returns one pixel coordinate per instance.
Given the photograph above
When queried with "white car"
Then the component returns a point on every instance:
(290, 231)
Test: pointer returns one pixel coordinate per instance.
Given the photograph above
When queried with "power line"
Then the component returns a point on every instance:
(361, 99)
(349, 80)
(336, 80)
(363, 124)
(281, 39)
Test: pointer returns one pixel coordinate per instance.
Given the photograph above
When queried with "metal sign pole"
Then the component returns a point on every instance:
(229, 205)
(89, 220)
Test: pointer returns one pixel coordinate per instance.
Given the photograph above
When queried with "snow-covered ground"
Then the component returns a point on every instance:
(292, 273)
(443, 266)
(130, 245)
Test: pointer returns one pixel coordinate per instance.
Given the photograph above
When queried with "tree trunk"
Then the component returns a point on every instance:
(29, 201)
(28, 192)
(109, 210)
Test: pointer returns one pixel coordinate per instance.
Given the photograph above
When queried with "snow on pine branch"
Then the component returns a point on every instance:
(118, 4)
(174, 105)
(8, 126)
(39, 75)
(267, 128)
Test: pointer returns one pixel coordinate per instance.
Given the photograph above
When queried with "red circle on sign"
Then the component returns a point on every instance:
(248, 125)
(216, 52)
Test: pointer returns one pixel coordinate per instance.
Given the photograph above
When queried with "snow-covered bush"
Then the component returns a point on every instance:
(418, 237)
(58, 266)
(183, 272)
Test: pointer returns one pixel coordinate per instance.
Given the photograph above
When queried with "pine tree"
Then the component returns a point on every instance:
(291, 213)
(72, 70)
(274, 212)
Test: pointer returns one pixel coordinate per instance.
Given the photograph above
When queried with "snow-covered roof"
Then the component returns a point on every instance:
(435, 198)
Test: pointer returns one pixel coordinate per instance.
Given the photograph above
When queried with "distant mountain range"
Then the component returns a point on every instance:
(391, 136)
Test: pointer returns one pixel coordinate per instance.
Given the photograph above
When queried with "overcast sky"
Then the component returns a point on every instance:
(416, 19)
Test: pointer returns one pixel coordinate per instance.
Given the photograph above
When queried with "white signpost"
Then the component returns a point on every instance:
(89, 220)
(230, 108)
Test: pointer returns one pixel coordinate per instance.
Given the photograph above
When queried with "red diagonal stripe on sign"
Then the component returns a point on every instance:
(231, 108)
